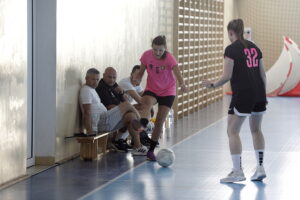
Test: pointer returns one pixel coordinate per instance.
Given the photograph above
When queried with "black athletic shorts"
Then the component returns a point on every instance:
(247, 108)
(161, 100)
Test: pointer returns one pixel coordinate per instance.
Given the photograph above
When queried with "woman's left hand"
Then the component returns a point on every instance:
(206, 83)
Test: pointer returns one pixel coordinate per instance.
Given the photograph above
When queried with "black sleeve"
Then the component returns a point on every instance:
(259, 53)
(229, 52)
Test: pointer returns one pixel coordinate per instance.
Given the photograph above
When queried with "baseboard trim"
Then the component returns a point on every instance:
(76, 155)
(13, 181)
(44, 160)
(39, 160)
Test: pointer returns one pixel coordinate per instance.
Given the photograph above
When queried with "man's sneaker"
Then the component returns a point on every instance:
(234, 176)
(151, 156)
(259, 174)
(120, 145)
(127, 145)
(144, 138)
(141, 151)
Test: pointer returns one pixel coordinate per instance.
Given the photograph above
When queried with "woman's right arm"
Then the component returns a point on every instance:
(141, 72)
(262, 72)
(226, 76)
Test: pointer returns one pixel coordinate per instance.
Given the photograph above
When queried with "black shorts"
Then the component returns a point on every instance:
(161, 100)
(247, 108)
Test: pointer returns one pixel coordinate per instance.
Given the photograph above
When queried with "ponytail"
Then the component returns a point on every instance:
(160, 40)
(237, 26)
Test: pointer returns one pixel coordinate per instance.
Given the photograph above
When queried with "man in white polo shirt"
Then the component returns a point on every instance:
(134, 92)
(131, 87)
(97, 119)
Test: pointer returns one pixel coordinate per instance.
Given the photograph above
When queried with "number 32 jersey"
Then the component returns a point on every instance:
(246, 81)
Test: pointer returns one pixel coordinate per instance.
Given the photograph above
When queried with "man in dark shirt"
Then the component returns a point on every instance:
(112, 95)
(108, 90)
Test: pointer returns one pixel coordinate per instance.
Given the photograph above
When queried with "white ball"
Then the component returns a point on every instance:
(165, 157)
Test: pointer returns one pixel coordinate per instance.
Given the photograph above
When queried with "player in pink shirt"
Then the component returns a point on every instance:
(162, 72)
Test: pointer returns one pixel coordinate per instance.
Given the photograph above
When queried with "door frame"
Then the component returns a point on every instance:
(30, 83)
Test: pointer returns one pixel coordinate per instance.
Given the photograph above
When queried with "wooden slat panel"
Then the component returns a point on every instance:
(199, 50)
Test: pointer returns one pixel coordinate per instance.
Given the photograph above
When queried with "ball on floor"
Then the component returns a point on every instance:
(165, 157)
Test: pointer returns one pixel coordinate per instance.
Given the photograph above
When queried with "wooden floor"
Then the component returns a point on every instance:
(202, 157)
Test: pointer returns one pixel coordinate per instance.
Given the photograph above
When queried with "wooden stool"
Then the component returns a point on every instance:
(91, 148)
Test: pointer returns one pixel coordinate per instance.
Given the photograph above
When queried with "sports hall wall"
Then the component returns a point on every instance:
(13, 87)
(270, 21)
(230, 12)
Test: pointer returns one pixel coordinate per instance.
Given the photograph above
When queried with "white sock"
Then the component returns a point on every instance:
(259, 153)
(237, 162)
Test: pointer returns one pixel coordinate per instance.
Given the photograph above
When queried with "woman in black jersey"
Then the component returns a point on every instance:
(243, 66)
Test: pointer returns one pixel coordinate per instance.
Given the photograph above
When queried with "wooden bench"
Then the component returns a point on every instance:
(91, 148)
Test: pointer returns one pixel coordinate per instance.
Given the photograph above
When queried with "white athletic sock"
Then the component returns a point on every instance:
(236, 161)
(259, 153)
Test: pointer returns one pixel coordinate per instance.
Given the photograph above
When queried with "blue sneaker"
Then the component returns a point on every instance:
(151, 156)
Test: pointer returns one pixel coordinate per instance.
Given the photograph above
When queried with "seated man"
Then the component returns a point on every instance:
(133, 92)
(108, 90)
(111, 96)
(131, 87)
(96, 118)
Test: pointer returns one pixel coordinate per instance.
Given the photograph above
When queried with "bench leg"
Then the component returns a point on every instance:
(102, 144)
(92, 148)
(88, 151)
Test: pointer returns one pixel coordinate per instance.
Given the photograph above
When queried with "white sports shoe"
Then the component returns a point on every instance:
(259, 174)
(141, 151)
(234, 176)
(149, 128)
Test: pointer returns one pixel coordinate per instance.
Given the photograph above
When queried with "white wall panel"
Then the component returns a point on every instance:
(13, 86)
